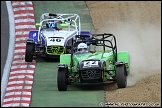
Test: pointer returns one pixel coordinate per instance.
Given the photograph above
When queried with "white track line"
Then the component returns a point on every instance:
(22, 76)
(23, 8)
(20, 32)
(18, 93)
(19, 87)
(26, 14)
(22, 66)
(22, 3)
(22, 44)
(23, 51)
(6, 70)
(24, 20)
(25, 26)
(21, 72)
(18, 56)
(23, 38)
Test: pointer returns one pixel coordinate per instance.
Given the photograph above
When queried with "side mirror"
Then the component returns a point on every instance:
(37, 24)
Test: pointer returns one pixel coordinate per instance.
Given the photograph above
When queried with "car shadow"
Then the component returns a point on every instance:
(47, 59)
(110, 86)
(86, 87)
(106, 86)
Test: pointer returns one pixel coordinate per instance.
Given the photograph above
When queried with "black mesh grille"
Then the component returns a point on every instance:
(55, 50)
(91, 74)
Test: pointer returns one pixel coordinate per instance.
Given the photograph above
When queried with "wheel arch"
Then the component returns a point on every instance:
(123, 56)
(65, 59)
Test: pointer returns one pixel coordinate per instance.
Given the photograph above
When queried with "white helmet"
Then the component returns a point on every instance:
(82, 47)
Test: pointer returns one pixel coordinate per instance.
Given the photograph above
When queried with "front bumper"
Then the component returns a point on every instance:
(91, 73)
(55, 50)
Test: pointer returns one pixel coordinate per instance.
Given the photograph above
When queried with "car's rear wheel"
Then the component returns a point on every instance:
(29, 52)
(62, 80)
(121, 76)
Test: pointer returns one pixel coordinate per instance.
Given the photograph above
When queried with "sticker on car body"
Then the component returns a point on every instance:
(55, 39)
(90, 63)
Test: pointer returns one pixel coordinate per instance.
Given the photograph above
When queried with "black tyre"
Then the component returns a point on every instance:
(62, 80)
(29, 52)
(121, 76)
(103, 69)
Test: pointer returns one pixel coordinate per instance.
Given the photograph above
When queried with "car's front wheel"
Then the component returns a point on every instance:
(121, 76)
(61, 79)
(29, 52)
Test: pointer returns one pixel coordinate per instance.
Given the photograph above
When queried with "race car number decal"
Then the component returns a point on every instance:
(34, 34)
(90, 63)
(57, 39)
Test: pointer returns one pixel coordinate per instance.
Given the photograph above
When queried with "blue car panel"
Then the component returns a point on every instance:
(33, 34)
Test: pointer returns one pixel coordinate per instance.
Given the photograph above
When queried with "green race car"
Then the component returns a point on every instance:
(94, 59)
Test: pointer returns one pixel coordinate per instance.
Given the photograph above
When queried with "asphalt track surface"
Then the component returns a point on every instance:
(44, 91)
(4, 35)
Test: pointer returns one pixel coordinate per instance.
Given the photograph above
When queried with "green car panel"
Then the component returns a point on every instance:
(65, 59)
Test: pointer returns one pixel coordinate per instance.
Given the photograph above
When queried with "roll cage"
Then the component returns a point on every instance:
(67, 21)
(97, 40)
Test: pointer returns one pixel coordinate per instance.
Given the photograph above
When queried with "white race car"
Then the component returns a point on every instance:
(55, 36)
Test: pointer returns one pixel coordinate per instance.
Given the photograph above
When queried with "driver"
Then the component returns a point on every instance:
(82, 48)
(52, 24)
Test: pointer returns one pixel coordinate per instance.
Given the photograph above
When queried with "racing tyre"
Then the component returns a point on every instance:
(29, 52)
(62, 80)
(121, 76)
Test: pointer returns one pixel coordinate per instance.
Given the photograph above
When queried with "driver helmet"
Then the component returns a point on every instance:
(82, 47)
(51, 24)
